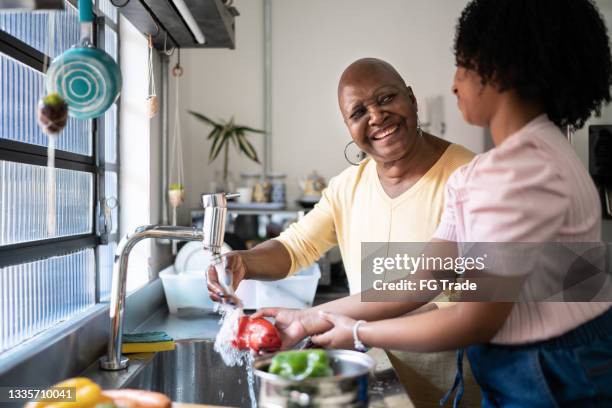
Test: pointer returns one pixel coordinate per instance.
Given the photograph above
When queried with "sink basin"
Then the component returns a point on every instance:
(193, 372)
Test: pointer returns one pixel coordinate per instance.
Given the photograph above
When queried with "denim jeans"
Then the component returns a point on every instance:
(572, 370)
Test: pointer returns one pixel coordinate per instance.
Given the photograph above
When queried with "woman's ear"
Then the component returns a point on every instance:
(412, 97)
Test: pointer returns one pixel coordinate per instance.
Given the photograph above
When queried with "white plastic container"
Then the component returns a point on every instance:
(187, 290)
(297, 291)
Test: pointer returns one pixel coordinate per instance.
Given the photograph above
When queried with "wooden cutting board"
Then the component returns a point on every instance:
(187, 405)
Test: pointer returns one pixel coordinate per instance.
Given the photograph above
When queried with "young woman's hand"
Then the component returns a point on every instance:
(340, 336)
(288, 322)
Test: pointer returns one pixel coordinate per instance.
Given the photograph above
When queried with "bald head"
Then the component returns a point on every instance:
(364, 67)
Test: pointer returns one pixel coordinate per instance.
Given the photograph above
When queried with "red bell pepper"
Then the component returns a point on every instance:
(258, 335)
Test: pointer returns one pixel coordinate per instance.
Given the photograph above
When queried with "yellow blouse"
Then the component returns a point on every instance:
(354, 208)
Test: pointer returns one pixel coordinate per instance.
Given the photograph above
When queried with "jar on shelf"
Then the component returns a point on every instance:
(249, 179)
(247, 185)
(278, 190)
(261, 191)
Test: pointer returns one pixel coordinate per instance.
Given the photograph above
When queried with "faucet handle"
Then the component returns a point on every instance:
(217, 199)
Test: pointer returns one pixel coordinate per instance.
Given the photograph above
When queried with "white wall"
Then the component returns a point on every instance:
(140, 160)
(312, 42)
(220, 83)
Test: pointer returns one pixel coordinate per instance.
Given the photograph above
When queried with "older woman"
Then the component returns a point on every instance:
(396, 194)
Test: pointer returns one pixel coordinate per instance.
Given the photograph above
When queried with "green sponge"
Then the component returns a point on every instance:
(146, 342)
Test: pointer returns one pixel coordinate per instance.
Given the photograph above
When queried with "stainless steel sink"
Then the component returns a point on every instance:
(193, 372)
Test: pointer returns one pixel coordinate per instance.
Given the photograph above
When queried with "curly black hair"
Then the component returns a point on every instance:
(553, 52)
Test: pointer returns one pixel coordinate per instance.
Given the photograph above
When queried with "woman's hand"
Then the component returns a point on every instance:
(235, 266)
(289, 323)
(340, 336)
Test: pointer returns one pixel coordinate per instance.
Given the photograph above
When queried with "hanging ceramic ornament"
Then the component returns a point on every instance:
(86, 77)
(176, 196)
(52, 112)
(152, 101)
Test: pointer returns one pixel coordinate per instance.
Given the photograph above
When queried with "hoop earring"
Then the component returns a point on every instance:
(359, 156)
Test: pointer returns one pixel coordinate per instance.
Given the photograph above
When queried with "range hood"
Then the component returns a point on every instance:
(183, 23)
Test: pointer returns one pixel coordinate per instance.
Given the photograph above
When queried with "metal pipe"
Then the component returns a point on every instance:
(165, 100)
(267, 91)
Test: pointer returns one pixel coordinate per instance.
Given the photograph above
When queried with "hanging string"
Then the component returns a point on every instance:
(178, 143)
(151, 73)
(47, 55)
(176, 152)
(176, 156)
(166, 51)
(153, 103)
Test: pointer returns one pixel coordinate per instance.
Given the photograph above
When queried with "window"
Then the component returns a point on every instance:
(50, 276)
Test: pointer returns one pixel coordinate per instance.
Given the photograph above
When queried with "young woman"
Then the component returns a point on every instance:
(525, 69)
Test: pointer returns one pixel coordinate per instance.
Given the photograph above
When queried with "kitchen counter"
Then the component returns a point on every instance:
(385, 388)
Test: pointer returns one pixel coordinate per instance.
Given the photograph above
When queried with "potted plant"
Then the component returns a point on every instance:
(222, 134)
(176, 194)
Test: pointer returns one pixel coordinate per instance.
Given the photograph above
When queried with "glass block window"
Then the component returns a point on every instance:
(50, 275)
(108, 9)
(106, 257)
(35, 29)
(20, 89)
(110, 42)
(36, 295)
(23, 203)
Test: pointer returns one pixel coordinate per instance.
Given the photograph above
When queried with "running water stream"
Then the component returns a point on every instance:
(232, 356)
(51, 199)
(52, 141)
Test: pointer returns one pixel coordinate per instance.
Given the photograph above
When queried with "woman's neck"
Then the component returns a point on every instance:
(399, 175)
(511, 116)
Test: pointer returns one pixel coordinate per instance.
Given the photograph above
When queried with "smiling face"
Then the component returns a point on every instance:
(477, 102)
(379, 110)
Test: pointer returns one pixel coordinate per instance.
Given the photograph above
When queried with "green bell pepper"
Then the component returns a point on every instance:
(300, 365)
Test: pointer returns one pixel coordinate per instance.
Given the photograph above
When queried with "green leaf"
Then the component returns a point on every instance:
(249, 129)
(225, 131)
(204, 118)
(214, 133)
(247, 148)
(234, 137)
(53, 99)
(229, 126)
(216, 147)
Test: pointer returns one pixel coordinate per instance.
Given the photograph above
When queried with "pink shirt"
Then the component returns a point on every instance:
(531, 188)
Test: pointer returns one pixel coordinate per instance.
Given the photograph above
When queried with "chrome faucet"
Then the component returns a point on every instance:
(211, 235)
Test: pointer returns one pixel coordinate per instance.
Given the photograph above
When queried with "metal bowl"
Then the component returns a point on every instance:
(348, 387)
